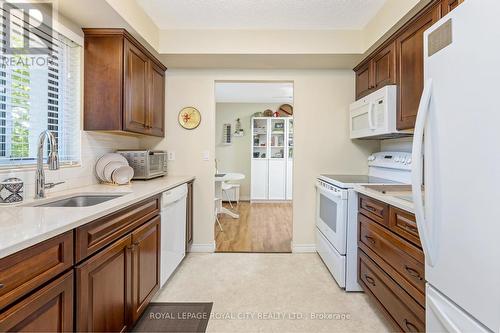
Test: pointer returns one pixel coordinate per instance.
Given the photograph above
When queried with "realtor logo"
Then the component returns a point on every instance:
(27, 28)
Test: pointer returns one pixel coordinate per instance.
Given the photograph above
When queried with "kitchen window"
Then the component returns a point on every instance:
(37, 95)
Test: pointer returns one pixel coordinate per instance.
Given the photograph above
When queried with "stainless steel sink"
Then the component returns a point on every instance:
(80, 201)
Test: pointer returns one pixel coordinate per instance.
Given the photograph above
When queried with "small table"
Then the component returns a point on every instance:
(219, 179)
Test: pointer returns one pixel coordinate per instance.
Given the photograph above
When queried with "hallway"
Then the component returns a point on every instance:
(262, 227)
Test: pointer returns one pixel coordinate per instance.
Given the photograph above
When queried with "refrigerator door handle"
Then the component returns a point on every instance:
(417, 172)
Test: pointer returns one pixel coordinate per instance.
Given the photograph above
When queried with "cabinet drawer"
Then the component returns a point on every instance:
(50, 309)
(28, 269)
(99, 233)
(403, 309)
(374, 209)
(404, 257)
(404, 224)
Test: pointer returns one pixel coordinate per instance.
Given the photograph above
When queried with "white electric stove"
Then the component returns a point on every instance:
(337, 209)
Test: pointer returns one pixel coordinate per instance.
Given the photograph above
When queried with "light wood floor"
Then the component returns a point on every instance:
(262, 227)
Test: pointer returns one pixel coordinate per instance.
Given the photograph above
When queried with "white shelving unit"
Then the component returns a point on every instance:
(272, 158)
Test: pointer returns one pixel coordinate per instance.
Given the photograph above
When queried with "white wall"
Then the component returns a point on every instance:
(236, 157)
(322, 144)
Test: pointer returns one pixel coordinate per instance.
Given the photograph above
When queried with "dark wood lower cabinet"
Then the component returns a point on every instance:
(50, 309)
(117, 273)
(145, 265)
(391, 264)
(103, 289)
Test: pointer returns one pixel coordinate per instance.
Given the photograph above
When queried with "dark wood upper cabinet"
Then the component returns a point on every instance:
(448, 5)
(145, 265)
(49, 309)
(103, 289)
(384, 67)
(377, 72)
(136, 89)
(157, 100)
(400, 60)
(410, 57)
(364, 79)
(122, 84)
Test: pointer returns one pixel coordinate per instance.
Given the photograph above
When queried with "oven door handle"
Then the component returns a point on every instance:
(329, 194)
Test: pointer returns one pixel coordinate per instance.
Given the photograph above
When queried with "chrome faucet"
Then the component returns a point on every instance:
(53, 162)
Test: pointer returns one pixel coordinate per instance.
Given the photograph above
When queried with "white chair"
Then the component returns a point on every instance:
(218, 203)
(228, 187)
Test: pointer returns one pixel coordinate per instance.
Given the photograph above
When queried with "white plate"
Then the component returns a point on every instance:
(110, 167)
(123, 175)
(104, 160)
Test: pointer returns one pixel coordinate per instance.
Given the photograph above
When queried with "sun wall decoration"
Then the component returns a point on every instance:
(189, 118)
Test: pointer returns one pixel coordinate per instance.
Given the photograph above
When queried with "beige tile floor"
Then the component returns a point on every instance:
(263, 285)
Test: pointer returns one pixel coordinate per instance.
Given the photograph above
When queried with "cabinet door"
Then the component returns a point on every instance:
(48, 310)
(448, 5)
(289, 179)
(260, 177)
(135, 89)
(410, 55)
(103, 287)
(145, 265)
(156, 112)
(384, 66)
(189, 216)
(277, 179)
(364, 83)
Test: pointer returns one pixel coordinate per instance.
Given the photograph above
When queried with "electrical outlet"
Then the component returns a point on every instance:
(206, 155)
(171, 155)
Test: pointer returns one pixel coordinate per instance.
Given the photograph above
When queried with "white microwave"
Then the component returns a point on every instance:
(374, 116)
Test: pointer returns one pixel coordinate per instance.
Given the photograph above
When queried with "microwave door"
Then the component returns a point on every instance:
(332, 217)
(362, 120)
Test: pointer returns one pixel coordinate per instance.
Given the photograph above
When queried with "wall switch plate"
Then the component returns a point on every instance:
(206, 155)
(171, 155)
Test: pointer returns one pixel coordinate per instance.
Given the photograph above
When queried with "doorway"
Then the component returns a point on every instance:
(254, 151)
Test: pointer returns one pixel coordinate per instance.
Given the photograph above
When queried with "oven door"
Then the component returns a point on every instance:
(331, 216)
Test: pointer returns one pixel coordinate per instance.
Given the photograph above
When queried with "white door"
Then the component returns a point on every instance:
(289, 179)
(459, 224)
(277, 179)
(260, 179)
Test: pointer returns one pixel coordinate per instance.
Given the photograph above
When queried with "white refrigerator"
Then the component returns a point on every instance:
(456, 155)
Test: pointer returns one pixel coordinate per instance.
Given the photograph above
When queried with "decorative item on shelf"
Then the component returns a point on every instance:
(227, 139)
(263, 155)
(279, 126)
(11, 190)
(268, 113)
(256, 154)
(285, 110)
(189, 118)
(239, 132)
(258, 114)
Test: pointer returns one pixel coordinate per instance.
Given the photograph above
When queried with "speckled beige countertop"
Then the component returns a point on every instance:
(396, 195)
(23, 226)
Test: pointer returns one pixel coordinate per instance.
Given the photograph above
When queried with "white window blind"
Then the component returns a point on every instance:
(34, 97)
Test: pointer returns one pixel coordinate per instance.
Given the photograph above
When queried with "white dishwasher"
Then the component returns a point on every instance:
(173, 230)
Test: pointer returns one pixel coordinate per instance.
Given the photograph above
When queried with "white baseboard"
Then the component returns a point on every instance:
(202, 248)
(303, 248)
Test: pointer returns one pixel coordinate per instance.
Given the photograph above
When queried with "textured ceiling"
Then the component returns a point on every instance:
(261, 14)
